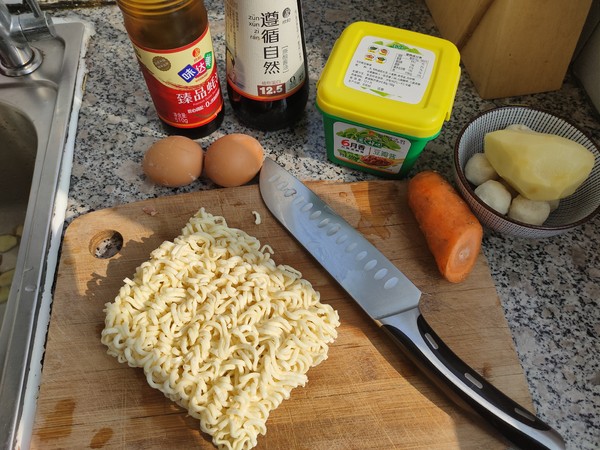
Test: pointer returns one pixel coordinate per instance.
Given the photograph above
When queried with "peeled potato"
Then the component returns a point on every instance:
(539, 166)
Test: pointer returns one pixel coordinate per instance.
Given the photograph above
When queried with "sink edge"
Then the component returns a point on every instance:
(22, 345)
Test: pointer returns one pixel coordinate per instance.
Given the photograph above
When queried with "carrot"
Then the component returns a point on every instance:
(452, 232)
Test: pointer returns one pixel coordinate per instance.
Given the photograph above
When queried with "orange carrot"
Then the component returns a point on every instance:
(452, 232)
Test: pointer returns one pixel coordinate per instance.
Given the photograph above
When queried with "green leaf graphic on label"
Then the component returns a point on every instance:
(369, 137)
(401, 46)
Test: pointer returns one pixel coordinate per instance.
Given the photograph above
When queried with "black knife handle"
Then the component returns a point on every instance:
(414, 335)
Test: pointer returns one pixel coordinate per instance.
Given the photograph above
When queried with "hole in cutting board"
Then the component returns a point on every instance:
(106, 244)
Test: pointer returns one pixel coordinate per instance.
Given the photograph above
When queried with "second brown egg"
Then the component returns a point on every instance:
(233, 160)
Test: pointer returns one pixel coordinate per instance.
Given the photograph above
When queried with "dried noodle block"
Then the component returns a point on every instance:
(219, 328)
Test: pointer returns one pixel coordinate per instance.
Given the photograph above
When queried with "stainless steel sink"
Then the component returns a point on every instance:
(35, 113)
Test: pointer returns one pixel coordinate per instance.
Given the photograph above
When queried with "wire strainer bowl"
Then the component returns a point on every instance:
(573, 211)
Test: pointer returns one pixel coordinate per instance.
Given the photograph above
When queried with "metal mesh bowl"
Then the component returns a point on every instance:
(574, 210)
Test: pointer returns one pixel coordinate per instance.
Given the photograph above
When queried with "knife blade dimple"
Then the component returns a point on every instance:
(362, 270)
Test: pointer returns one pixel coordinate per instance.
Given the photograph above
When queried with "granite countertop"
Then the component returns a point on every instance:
(549, 289)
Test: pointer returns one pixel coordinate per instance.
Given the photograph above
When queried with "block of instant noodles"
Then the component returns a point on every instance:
(220, 328)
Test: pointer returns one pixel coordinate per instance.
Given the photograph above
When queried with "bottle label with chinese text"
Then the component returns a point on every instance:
(265, 55)
(183, 82)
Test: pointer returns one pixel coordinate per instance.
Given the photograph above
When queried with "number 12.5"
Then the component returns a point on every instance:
(268, 91)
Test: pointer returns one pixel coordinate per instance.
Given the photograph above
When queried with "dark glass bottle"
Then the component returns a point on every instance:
(267, 69)
(173, 45)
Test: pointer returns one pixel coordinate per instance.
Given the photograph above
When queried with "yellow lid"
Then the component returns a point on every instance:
(390, 79)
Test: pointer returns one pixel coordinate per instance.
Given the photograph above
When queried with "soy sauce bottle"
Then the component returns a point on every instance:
(173, 46)
(267, 70)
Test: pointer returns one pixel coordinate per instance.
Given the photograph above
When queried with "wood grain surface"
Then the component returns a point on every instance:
(366, 395)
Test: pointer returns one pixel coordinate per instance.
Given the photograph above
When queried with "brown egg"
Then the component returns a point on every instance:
(173, 161)
(233, 160)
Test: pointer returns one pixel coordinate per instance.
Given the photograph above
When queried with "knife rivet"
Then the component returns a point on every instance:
(306, 207)
(323, 222)
(435, 345)
(472, 379)
(282, 185)
(289, 192)
(316, 214)
(360, 255)
(298, 200)
(389, 284)
(525, 414)
(274, 178)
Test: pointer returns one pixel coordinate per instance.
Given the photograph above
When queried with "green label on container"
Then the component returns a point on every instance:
(390, 69)
(368, 148)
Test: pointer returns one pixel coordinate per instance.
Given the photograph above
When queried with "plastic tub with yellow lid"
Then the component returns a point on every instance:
(384, 94)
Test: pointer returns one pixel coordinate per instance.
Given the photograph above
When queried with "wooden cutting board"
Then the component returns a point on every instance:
(366, 395)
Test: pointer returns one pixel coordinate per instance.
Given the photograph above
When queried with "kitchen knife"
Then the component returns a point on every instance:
(392, 301)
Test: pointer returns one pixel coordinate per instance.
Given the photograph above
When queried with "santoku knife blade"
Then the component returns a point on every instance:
(392, 300)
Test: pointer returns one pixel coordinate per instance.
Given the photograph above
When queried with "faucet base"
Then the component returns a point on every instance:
(24, 69)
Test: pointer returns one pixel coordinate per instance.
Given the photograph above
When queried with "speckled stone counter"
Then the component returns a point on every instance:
(550, 289)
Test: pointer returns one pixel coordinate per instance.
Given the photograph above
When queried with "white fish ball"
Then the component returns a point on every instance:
(495, 195)
(529, 211)
(520, 127)
(478, 169)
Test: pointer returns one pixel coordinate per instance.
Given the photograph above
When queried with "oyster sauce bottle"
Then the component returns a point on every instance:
(173, 46)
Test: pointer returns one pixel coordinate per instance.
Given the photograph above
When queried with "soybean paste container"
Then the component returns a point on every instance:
(384, 94)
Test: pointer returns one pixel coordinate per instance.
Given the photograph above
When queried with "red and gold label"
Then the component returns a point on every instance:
(183, 82)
